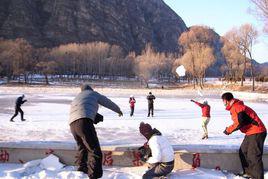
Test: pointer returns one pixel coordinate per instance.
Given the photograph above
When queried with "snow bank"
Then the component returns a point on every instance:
(45, 168)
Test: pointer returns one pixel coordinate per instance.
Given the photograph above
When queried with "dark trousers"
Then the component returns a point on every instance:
(131, 111)
(89, 157)
(150, 109)
(250, 154)
(18, 110)
(159, 170)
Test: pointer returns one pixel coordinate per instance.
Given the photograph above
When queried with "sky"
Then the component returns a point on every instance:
(222, 16)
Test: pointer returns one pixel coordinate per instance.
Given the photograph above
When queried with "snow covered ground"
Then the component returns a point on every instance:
(35, 171)
(176, 117)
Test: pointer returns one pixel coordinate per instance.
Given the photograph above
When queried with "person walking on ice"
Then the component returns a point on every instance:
(132, 102)
(247, 121)
(150, 99)
(83, 116)
(205, 116)
(18, 109)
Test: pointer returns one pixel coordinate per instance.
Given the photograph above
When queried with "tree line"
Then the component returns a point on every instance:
(80, 61)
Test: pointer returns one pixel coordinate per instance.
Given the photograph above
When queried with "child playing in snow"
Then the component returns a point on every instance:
(161, 160)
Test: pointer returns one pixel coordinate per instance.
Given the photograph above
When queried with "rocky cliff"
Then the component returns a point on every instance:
(127, 23)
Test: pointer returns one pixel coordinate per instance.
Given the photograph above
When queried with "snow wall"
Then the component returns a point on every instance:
(186, 156)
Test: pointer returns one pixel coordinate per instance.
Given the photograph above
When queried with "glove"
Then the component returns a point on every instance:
(225, 132)
(120, 114)
(192, 100)
(98, 118)
(145, 153)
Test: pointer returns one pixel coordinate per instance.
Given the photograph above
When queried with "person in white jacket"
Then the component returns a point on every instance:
(161, 160)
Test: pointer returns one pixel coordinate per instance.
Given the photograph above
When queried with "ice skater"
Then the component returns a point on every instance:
(150, 99)
(18, 109)
(205, 116)
(247, 121)
(161, 154)
(132, 102)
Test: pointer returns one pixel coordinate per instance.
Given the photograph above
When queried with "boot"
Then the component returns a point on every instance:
(245, 175)
(82, 169)
(205, 137)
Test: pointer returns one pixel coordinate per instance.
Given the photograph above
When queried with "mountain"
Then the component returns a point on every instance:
(130, 24)
(264, 64)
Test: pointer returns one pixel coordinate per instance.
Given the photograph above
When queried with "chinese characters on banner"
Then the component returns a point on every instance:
(4, 156)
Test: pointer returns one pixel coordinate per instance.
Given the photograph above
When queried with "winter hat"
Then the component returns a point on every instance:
(150, 92)
(145, 128)
(205, 102)
(131, 96)
(86, 87)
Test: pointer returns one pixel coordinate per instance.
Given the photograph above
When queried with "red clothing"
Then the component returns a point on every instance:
(132, 102)
(236, 107)
(205, 109)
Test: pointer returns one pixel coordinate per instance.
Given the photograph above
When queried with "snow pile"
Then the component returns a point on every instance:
(40, 168)
(51, 163)
(51, 168)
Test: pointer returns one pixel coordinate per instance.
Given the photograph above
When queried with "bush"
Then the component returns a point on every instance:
(262, 78)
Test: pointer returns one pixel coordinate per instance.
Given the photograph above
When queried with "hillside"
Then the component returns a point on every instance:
(127, 23)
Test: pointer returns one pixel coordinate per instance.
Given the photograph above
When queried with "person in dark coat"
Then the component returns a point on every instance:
(132, 102)
(247, 121)
(20, 100)
(83, 114)
(150, 99)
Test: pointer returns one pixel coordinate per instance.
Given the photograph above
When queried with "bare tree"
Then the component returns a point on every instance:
(262, 11)
(243, 38)
(234, 38)
(23, 61)
(198, 47)
(248, 35)
(6, 55)
(16, 57)
(44, 64)
(151, 64)
(197, 61)
(234, 60)
(97, 59)
(130, 64)
(145, 64)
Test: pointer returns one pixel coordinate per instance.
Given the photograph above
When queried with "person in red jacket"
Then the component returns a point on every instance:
(247, 121)
(205, 116)
(132, 102)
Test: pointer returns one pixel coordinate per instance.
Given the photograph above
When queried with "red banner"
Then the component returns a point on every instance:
(4, 156)
(107, 159)
(196, 160)
(137, 159)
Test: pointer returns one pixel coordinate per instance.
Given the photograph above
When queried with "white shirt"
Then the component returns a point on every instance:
(161, 149)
